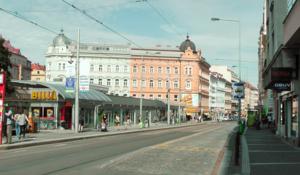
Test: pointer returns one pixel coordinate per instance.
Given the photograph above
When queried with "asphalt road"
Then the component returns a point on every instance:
(189, 150)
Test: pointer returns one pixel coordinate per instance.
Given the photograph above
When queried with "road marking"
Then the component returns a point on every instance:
(279, 144)
(275, 151)
(275, 163)
(59, 144)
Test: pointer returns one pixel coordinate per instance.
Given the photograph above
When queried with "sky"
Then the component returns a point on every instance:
(158, 22)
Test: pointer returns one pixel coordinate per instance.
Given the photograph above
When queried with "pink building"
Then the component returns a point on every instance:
(157, 71)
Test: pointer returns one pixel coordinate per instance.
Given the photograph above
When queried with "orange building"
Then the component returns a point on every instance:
(155, 71)
(38, 72)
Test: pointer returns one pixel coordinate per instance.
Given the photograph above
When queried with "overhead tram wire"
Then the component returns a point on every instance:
(101, 23)
(162, 17)
(16, 14)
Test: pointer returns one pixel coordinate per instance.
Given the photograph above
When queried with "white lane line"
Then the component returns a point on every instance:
(279, 151)
(279, 144)
(276, 163)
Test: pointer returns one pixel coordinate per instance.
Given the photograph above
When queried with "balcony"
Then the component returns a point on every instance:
(292, 26)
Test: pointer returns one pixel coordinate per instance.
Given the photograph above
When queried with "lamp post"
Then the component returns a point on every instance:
(77, 84)
(141, 97)
(239, 50)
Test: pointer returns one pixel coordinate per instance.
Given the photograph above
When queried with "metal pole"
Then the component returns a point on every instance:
(141, 98)
(168, 103)
(77, 84)
(240, 76)
(179, 106)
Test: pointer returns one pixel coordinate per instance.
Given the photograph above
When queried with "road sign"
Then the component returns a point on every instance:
(70, 85)
(238, 90)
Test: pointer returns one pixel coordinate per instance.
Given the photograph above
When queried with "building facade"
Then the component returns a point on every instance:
(108, 65)
(20, 66)
(38, 72)
(217, 95)
(281, 68)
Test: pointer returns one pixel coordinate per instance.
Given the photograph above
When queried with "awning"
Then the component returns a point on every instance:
(91, 95)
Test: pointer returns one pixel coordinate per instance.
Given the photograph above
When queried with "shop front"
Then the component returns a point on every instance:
(51, 107)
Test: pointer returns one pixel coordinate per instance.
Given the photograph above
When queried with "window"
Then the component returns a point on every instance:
(117, 83)
(159, 84)
(168, 84)
(151, 96)
(63, 66)
(186, 71)
(151, 84)
(59, 66)
(117, 68)
(175, 97)
(91, 80)
(134, 95)
(159, 70)
(100, 81)
(134, 84)
(143, 83)
(168, 70)
(134, 69)
(108, 68)
(176, 70)
(143, 69)
(151, 69)
(176, 84)
(108, 83)
(125, 68)
(91, 68)
(100, 68)
(159, 96)
(190, 71)
(188, 84)
(38, 72)
(143, 95)
(125, 83)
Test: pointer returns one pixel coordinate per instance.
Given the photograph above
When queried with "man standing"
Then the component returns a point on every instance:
(23, 120)
(9, 122)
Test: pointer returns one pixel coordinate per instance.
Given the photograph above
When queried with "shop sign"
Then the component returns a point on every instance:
(281, 86)
(43, 95)
(280, 73)
(238, 90)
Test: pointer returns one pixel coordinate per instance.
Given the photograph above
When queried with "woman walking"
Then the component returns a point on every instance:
(23, 120)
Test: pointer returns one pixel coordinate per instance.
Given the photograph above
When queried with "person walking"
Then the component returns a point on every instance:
(9, 123)
(17, 126)
(81, 123)
(23, 120)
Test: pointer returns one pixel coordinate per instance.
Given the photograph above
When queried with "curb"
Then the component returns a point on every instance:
(224, 157)
(245, 155)
(50, 141)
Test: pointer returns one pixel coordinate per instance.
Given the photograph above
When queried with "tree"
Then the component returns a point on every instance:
(5, 63)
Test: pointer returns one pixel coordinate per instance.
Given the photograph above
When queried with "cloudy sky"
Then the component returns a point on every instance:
(164, 22)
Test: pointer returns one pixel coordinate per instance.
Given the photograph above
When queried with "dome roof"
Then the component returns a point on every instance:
(187, 43)
(61, 40)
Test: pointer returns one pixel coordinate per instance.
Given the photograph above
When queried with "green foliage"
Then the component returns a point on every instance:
(5, 63)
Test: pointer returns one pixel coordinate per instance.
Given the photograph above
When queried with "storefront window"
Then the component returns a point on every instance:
(294, 127)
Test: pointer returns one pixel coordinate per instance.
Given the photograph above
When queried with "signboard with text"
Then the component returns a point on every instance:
(281, 73)
(238, 90)
(70, 84)
(281, 86)
(84, 78)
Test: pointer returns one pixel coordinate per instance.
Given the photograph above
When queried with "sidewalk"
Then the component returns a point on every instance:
(56, 136)
(269, 155)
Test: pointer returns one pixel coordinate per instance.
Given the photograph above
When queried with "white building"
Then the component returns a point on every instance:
(108, 64)
(217, 91)
(230, 76)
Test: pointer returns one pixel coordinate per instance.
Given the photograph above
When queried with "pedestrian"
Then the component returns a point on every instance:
(269, 120)
(23, 120)
(17, 126)
(81, 124)
(9, 123)
(104, 124)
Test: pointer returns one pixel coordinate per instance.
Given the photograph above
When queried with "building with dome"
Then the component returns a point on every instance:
(151, 73)
(181, 74)
(108, 65)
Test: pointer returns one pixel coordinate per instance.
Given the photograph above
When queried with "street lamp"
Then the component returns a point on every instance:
(239, 50)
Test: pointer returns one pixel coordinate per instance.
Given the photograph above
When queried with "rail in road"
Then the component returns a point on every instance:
(189, 150)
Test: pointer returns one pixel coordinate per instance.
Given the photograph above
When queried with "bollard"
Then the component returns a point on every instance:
(237, 149)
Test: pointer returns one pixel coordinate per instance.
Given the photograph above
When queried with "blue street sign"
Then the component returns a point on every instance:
(70, 84)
